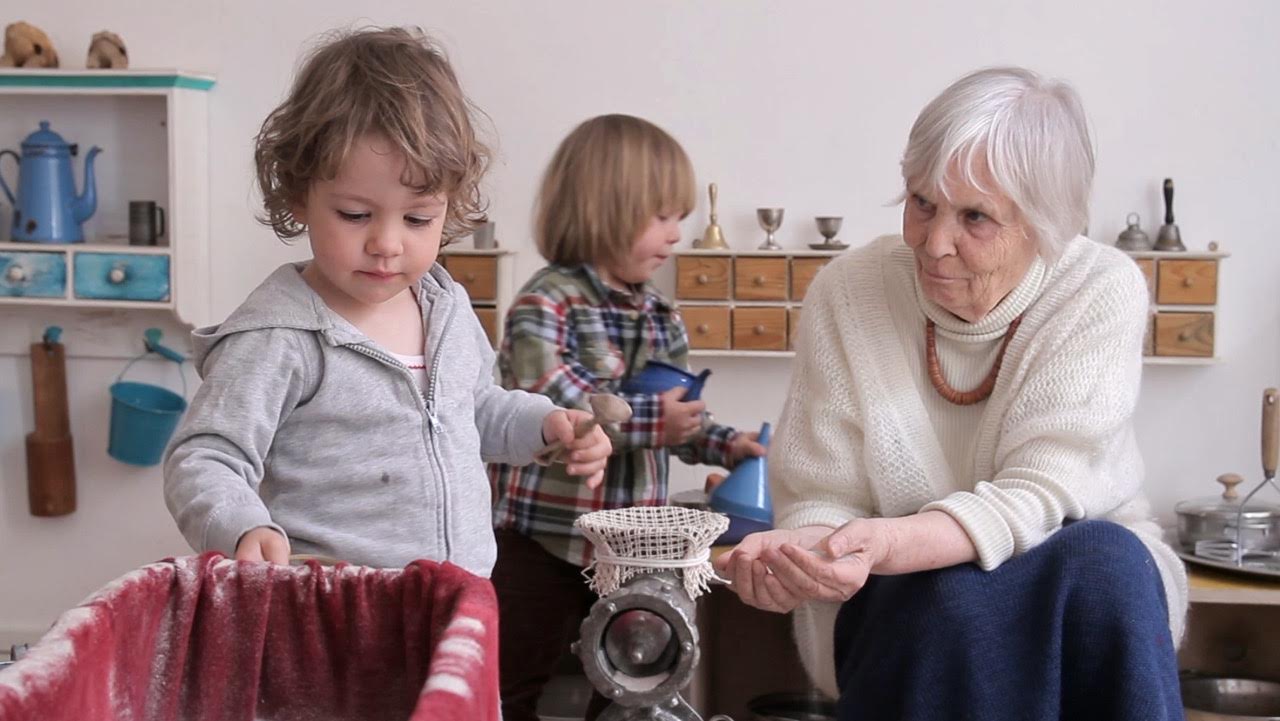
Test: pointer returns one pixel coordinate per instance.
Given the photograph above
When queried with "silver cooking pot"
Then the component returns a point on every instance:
(1213, 521)
(1230, 699)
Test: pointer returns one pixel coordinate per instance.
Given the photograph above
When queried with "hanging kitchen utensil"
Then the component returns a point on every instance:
(1169, 237)
(51, 465)
(144, 416)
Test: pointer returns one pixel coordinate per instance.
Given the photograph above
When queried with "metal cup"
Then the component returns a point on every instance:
(484, 237)
(146, 222)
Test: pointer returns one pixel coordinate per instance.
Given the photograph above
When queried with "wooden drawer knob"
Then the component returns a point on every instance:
(758, 280)
(703, 279)
(1185, 336)
(1188, 282)
(16, 274)
(469, 277)
(759, 330)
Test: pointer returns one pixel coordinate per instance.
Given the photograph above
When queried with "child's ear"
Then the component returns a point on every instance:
(299, 211)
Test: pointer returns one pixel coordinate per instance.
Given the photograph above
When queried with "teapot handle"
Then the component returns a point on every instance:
(9, 193)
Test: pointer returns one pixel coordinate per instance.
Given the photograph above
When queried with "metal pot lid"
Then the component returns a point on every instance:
(1227, 506)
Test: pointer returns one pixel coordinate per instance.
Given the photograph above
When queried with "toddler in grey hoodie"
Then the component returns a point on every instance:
(349, 406)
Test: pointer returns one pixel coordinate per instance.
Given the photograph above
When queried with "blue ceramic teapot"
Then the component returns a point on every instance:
(658, 377)
(47, 209)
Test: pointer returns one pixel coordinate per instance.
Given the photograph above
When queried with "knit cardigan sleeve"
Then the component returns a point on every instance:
(817, 474)
(1063, 448)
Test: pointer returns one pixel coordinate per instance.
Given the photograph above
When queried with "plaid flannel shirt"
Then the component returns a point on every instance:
(568, 335)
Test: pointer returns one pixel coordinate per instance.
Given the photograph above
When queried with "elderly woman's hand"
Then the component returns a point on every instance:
(779, 570)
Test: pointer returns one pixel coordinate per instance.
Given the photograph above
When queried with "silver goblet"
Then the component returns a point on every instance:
(828, 226)
(770, 219)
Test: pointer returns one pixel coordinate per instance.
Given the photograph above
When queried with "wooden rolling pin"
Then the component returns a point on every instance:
(51, 465)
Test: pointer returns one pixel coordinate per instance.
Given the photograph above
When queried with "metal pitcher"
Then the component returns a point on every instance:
(46, 208)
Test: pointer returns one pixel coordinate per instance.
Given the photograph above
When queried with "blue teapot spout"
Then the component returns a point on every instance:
(698, 382)
(87, 203)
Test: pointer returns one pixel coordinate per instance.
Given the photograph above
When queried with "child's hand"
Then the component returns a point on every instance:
(742, 445)
(680, 420)
(263, 544)
(585, 456)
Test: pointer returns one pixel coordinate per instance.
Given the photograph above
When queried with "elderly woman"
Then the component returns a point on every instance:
(957, 486)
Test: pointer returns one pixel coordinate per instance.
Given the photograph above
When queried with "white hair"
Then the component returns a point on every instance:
(1033, 136)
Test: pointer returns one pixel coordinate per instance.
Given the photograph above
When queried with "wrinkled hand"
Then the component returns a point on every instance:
(744, 445)
(782, 569)
(263, 544)
(681, 420)
(585, 456)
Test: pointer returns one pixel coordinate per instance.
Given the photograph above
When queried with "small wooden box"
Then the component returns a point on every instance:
(1184, 334)
(708, 326)
(1187, 282)
(703, 277)
(760, 279)
(803, 271)
(762, 328)
(489, 321)
(477, 273)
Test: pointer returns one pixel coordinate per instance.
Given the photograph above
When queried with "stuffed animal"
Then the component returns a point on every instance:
(26, 46)
(106, 50)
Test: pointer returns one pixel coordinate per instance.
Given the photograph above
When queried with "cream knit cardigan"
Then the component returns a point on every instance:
(863, 433)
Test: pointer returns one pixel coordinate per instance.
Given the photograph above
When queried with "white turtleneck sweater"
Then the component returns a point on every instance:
(864, 433)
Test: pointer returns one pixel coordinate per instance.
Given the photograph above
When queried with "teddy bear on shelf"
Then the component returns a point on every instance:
(27, 46)
(106, 50)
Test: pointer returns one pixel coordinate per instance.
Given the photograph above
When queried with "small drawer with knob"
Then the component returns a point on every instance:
(700, 277)
(33, 275)
(759, 328)
(803, 271)
(708, 326)
(1187, 282)
(1184, 334)
(121, 276)
(760, 279)
(477, 273)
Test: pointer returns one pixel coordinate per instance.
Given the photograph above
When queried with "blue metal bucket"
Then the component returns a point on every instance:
(143, 418)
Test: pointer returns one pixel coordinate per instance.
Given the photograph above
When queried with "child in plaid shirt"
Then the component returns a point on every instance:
(608, 217)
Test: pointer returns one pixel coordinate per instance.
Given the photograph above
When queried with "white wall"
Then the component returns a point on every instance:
(803, 105)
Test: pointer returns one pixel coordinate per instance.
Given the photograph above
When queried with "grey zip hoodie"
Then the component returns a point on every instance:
(305, 425)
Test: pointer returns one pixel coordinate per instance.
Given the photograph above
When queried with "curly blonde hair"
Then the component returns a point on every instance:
(394, 82)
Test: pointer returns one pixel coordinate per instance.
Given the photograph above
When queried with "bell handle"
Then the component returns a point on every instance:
(1168, 201)
(714, 192)
(5, 186)
(1270, 426)
(1132, 219)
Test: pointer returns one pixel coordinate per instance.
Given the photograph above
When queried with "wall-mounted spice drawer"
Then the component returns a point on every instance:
(1187, 282)
(1184, 334)
(703, 277)
(33, 275)
(708, 326)
(121, 276)
(803, 271)
(760, 279)
(477, 273)
(759, 328)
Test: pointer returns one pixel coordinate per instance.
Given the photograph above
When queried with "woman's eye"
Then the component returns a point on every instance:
(417, 221)
(352, 217)
(975, 216)
(921, 203)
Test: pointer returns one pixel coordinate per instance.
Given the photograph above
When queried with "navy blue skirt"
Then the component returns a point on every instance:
(1076, 628)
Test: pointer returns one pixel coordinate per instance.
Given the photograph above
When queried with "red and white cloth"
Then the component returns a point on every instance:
(208, 638)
